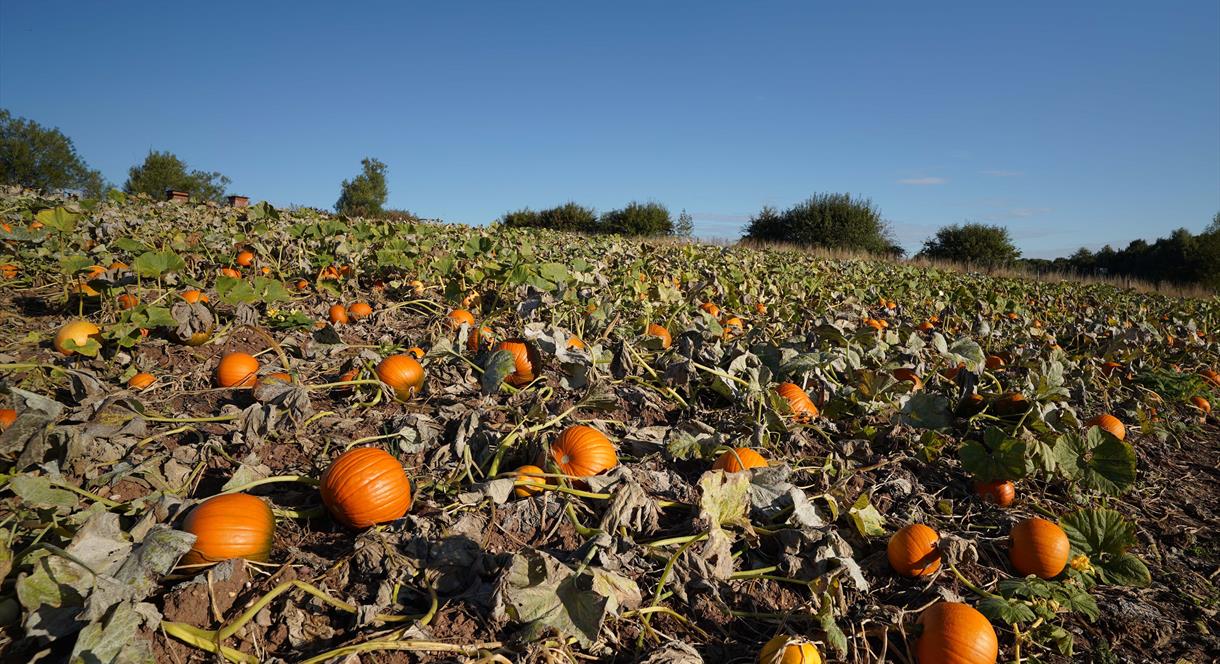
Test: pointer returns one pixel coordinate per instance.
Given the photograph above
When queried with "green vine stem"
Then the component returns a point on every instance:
(299, 479)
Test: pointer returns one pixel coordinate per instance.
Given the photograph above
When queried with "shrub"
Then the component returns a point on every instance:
(974, 244)
(567, 217)
(831, 221)
(43, 158)
(638, 219)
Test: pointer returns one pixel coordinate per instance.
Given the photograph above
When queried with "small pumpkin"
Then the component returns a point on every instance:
(192, 296)
(525, 358)
(907, 374)
(955, 633)
(9, 271)
(276, 377)
(1202, 404)
(741, 458)
(230, 272)
(1038, 547)
(803, 408)
(337, 314)
(994, 362)
(403, 373)
(1013, 403)
(478, 337)
(970, 405)
(358, 310)
(784, 649)
(79, 331)
(141, 381)
(659, 332)
(912, 550)
(237, 370)
(127, 301)
(7, 417)
(733, 327)
(234, 525)
(1110, 424)
(366, 486)
(416, 352)
(531, 481)
(576, 342)
(711, 309)
(245, 258)
(459, 317)
(1000, 492)
(582, 451)
(876, 324)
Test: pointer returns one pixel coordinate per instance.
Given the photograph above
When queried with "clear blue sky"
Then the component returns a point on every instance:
(1072, 123)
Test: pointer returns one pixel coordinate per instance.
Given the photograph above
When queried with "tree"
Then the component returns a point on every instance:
(164, 170)
(973, 244)
(569, 217)
(638, 219)
(832, 221)
(365, 194)
(43, 158)
(685, 226)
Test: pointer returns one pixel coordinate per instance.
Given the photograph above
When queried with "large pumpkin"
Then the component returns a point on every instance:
(1109, 423)
(741, 458)
(1039, 547)
(366, 486)
(458, 317)
(799, 402)
(582, 451)
(955, 633)
(784, 649)
(79, 331)
(912, 550)
(658, 331)
(358, 310)
(237, 370)
(234, 525)
(337, 314)
(525, 358)
(403, 373)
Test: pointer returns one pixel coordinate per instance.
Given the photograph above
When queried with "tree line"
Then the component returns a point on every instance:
(44, 158)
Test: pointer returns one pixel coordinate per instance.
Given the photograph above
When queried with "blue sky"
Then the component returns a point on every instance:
(1071, 123)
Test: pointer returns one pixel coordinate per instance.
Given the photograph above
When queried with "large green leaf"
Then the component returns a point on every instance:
(997, 457)
(1097, 460)
(1104, 536)
(157, 263)
(927, 411)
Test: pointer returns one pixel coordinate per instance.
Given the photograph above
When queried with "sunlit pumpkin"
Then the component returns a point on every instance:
(403, 373)
(906, 374)
(358, 310)
(1038, 547)
(417, 287)
(576, 342)
(127, 301)
(302, 284)
(876, 324)
(955, 633)
(1211, 376)
(582, 451)
(8, 271)
(994, 362)
(276, 377)
(234, 525)
(229, 272)
(925, 326)
(531, 481)
(416, 352)
(526, 361)
(192, 296)
(118, 265)
(1108, 423)
(245, 258)
(459, 317)
(710, 308)
(337, 314)
(478, 337)
(1202, 404)
(366, 486)
(802, 407)
(912, 550)
(741, 458)
(7, 417)
(733, 327)
(659, 332)
(237, 370)
(78, 331)
(760, 308)
(141, 381)
(1000, 492)
(784, 649)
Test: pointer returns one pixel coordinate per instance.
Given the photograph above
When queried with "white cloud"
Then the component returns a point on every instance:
(923, 181)
(996, 173)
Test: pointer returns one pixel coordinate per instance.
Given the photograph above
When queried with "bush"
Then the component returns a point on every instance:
(831, 221)
(164, 170)
(568, 217)
(638, 219)
(44, 158)
(365, 194)
(973, 244)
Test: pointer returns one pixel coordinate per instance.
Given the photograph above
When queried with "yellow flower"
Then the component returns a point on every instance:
(1081, 563)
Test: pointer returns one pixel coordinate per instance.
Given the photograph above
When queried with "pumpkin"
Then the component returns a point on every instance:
(8, 271)
(784, 649)
(337, 314)
(1038, 547)
(741, 458)
(876, 324)
(582, 451)
(1013, 403)
(245, 258)
(955, 633)
(659, 331)
(95, 272)
(1109, 423)
(192, 296)
(358, 310)
(907, 374)
(525, 361)
(127, 301)
(1110, 367)
(276, 377)
(710, 308)
(7, 417)
(575, 342)
(234, 525)
(925, 327)
(302, 284)
(971, 404)
(403, 373)
(230, 272)
(803, 408)
(417, 287)
(1000, 492)
(478, 337)
(199, 338)
(79, 331)
(760, 308)
(141, 381)
(237, 370)
(1211, 376)
(733, 327)
(952, 373)
(459, 317)
(1202, 404)
(118, 265)
(416, 352)
(531, 481)
(912, 550)
(366, 486)
(994, 362)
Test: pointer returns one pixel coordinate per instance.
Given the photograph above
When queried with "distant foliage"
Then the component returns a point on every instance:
(365, 194)
(685, 225)
(829, 221)
(569, 217)
(973, 244)
(638, 219)
(164, 170)
(399, 215)
(634, 219)
(43, 158)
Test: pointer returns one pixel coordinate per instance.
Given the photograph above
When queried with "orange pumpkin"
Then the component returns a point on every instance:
(1109, 423)
(1211, 376)
(118, 265)
(245, 258)
(230, 272)
(478, 337)
(1000, 492)
(760, 308)
(925, 326)
(337, 314)
(906, 374)
(1038, 547)
(276, 377)
(803, 408)
(582, 451)
(741, 458)
(876, 324)
(459, 317)
(366, 486)
(302, 284)
(733, 327)
(531, 481)
(912, 550)
(358, 310)
(955, 633)
(576, 342)
(951, 373)
(7, 417)
(141, 381)
(237, 370)
(784, 649)
(79, 331)
(127, 301)
(659, 331)
(8, 271)
(234, 525)
(1202, 404)
(1110, 367)
(525, 359)
(403, 373)
(710, 308)
(994, 362)
(192, 296)
(1014, 403)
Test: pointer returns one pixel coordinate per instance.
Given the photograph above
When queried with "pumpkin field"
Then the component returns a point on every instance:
(256, 435)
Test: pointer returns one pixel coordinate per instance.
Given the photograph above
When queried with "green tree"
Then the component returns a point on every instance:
(638, 219)
(365, 194)
(43, 158)
(831, 221)
(164, 170)
(685, 225)
(569, 217)
(973, 244)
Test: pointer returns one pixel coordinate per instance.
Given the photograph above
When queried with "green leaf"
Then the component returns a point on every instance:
(867, 519)
(131, 246)
(154, 264)
(966, 351)
(725, 497)
(1006, 611)
(1097, 460)
(1124, 570)
(497, 367)
(1104, 536)
(997, 457)
(554, 272)
(38, 491)
(58, 218)
(116, 196)
(926, 411)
